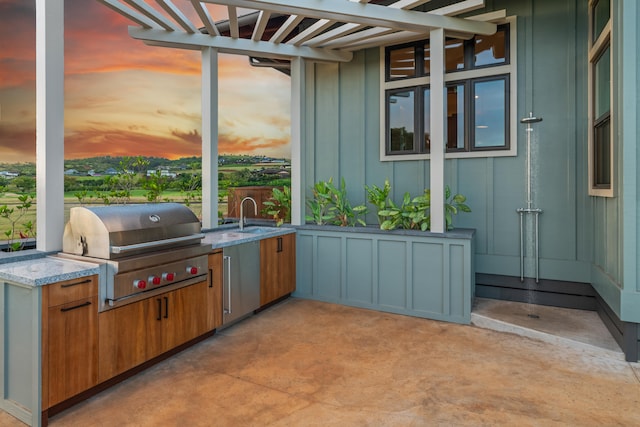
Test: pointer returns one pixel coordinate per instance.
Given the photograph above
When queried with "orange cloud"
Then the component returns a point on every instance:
(230, 144)
(121, 142)
(125, 98)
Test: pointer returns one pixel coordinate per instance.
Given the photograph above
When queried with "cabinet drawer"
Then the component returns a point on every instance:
(72, 290)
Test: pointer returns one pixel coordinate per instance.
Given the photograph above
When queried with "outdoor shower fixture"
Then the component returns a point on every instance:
(529, 209)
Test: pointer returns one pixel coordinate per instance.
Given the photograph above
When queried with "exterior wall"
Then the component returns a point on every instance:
(615, 224)
(343, 141)
(626, 42)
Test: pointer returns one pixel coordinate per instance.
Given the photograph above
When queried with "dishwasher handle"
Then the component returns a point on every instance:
(227, 259)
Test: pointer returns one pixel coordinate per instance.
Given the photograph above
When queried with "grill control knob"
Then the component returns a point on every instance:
(168, 276)
(154, 280)
(192, 270)
(140, 284)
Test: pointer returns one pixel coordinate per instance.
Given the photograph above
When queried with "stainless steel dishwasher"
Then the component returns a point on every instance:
(241, 290)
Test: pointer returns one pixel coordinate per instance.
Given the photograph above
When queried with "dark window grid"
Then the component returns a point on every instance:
(467, 119)
(469, 52)
(472, 112)
(418, 54)
(420, 147)
(418, 126)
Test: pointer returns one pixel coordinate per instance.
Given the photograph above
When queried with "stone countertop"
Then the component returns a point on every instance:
(47, 270)
(229, 236)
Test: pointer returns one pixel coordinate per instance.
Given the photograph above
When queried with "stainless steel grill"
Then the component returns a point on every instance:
(146, 249)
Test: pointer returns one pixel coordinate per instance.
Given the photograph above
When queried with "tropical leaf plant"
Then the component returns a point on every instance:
(279, 205)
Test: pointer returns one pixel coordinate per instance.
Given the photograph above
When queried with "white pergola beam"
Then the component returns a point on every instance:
(437, 132)
(462, 7)
(315, 29)
(408, 4)
(286, 28)
(261, 25)
(366, 35)
(348, 39)
(49, 127)
(234, 31)
(366, 14)
(341, 31)
(209, 138)
(152, 14)
(298, 154)
(206, 19)
(178, 16)
(396, 37)
(239, 46)
(128, 13)
(377, 37)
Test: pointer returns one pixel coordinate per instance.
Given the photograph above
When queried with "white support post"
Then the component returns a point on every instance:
(298, 99)
(209, 137)
(438, 127)
(49, 124)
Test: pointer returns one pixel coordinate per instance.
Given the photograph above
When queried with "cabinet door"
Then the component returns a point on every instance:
(72, 348)
(185, 314)
(214, 297)
(129, 335)
(277, 267)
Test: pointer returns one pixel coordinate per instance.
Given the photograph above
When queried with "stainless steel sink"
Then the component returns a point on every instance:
(258, 230)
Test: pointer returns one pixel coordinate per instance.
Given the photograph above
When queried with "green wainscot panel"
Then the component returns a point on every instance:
(407, 272)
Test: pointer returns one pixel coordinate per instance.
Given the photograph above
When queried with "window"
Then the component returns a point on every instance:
(479, 101)
(601, 143)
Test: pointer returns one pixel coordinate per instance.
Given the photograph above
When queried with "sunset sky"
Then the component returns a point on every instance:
(125, 98)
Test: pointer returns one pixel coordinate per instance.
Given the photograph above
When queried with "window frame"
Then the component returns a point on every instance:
(597, 46)
(467, 75)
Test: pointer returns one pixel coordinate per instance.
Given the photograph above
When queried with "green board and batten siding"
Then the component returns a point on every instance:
(416, 274)
(581, 237)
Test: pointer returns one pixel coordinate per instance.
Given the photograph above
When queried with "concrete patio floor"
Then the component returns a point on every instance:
(307, 363)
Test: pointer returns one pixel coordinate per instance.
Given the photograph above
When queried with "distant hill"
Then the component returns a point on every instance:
(102, 163)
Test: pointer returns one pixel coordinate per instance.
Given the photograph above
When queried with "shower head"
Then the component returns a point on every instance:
(531, 119)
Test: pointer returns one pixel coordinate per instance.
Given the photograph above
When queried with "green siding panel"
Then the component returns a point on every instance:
(328, 268)
(458, 266)
(304, 276)
(429, 288)
(359, 270)
(392, 273)
(419, 274)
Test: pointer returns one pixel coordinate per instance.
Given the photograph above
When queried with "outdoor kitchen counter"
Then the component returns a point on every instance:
(46, 270)
(229, 236)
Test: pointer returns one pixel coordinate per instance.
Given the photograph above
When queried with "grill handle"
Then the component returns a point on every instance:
(154, 244)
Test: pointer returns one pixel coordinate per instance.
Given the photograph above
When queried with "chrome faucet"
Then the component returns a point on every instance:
(242, 219)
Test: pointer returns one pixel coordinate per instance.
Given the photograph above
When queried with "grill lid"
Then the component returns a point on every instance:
(110, 232)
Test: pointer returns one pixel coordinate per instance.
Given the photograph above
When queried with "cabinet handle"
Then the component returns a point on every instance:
(84, 304)
(228, 309)
(166, 307)
(279, 244)
(159, 309)
(211, 277)
(82, 282)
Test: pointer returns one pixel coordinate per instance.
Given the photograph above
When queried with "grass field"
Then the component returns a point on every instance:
(11, 201)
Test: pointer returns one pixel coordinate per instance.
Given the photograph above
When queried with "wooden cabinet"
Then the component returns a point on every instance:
(277, 267)
(70, 339)
(214, 298)
(132, 334)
